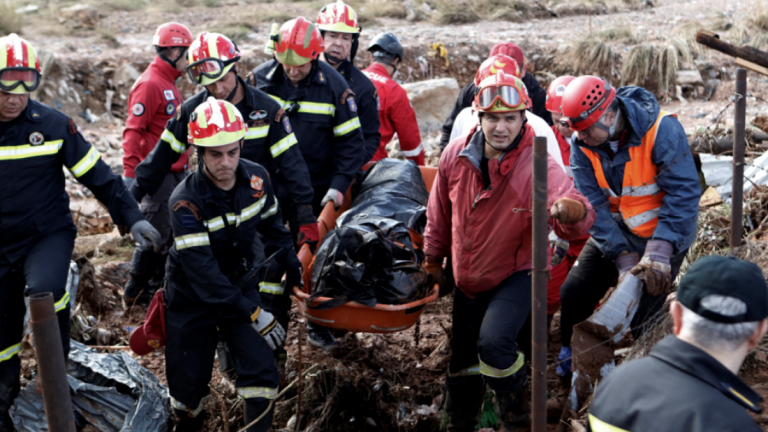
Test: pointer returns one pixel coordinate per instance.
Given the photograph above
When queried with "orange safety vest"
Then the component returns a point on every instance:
(640, 200)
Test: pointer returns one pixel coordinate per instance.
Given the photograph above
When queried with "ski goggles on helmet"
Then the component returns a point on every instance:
(504, 97)
(14, 77)
(211, 68)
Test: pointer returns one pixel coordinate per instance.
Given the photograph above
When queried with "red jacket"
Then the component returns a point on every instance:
(153, 101)
(565, 150)
(488, 239)
(395, 115)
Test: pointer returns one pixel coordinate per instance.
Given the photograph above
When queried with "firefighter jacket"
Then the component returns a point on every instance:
(671, 158)
(396, 115)
(220, 235)
(324, 111)
(270, 142)
(678, 387)
(153, 101)
(33, 200)
(487, 230)
(367, 98)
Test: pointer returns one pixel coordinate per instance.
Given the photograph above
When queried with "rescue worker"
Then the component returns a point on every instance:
(467, 119)
(396, 114)
(223, 217)
(153, 101)
(690, 382)
(632, 161)
(466, 95)
(37, 234)
(324, 110)
(564, 253)
(477, 215)
(337, 23)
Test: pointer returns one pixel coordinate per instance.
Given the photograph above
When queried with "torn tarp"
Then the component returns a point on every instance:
(718, 173)
(111, 392)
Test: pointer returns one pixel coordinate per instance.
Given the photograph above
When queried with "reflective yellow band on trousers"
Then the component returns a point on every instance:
(7, 353)
(491, 371)
(257, 392)
(472, 370)
(61, 304)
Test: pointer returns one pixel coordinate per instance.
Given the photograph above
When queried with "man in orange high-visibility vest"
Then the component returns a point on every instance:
(632, 161)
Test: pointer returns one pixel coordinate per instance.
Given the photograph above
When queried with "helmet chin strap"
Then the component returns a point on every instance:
(333, 60)
(166, 59)
(234, 90)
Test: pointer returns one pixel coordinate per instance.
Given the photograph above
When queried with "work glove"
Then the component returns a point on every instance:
(128, 181)
(270, 329)
(567, 211)
(559, 248)
(625, 262)
(143, 231)
(293, 279)
(564, 361)
(654, 269)
(335, 196)
(310, 235)
(435, 269)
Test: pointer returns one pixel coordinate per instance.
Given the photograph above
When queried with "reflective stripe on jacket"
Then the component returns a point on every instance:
(641, 198)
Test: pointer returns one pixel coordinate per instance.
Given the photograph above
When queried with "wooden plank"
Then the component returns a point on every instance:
(751, 66)
(712, 40)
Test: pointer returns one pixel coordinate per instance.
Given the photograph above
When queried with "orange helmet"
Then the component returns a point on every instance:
(555, 93)
(585, 100)
(502, 93)
(172, 34)
(215, 123)
(298, 42)
(338, 17)
(210, 57)
(494, 64)
(20, 70)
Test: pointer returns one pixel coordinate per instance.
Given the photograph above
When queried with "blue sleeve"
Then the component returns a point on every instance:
(605, 231)
(679, 180)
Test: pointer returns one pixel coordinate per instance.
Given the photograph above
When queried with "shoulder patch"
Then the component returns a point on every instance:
(75, 129)
(170, 109)
(187, 205)
(344, 96)
(137, 109)
(287, 125)
(352, 104)
(188, 221)
(279, 114)
(168, 94)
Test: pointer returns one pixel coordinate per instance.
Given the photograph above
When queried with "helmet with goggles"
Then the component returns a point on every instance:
(494, 64)
(216, 123)
(501, 93)
(585, 101)
(20, 70)
(211, 56)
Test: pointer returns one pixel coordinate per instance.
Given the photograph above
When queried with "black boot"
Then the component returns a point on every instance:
(9, 389)
(258, 408)
(320, 337)
(514, 410)
(463, 398)
(186, 423)
(137, 289)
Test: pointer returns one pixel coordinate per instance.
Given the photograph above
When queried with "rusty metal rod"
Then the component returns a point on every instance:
(539, 287)
(51, 369)
(739, 124)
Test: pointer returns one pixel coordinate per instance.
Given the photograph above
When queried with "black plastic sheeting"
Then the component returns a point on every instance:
(391, 189)
(111, 392)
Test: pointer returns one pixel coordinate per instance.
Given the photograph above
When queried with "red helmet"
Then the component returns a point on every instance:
(20, 70)
(492, 65)
(585, 100)
(555, 93)
(509, 49)
(338, 17)
(298, 42)
(210, 57)
(215, 123)
(502, 93)
(172, 34)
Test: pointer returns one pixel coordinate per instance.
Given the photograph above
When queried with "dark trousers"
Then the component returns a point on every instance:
(485, 343)
(589, 280)
(193, 329)
(43, 269)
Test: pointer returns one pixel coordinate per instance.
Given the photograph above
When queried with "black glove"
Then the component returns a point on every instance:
(293, 279)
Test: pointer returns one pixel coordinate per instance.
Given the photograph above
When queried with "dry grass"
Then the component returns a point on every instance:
(368, 12)
(638, 64)
(594, 57)
(759, 18)
(236, 32)
(648, 65)
(121, 5)
(450, 12)
(468, 11)
(10, 21)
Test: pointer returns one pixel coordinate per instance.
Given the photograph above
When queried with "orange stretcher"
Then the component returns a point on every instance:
(354, 316)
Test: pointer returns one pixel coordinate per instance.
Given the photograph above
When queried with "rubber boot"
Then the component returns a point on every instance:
(463, 398)
(186, 423)
(514, 410)
(9, 389)
(137, 289)
(255, 408)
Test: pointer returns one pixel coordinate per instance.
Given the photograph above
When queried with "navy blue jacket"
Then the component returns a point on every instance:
(32, 197)
(680, 206)
(270, 142)
(367, 103)
(325, 120)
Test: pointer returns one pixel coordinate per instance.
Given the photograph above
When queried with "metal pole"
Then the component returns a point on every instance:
(739, 121)
(539, 287)
(51, 369)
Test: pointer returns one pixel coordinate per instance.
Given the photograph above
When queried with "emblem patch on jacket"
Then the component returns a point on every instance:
(258, 115)
(257, 183)
(189, 206)
(36, 138)
(287, 125)
(138, 109)
(168, 94)
(170, 109)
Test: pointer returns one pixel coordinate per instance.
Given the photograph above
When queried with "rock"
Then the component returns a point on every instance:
(125, 75)
(690, 78)
(27, 9)
(79, 15)
(432, 100)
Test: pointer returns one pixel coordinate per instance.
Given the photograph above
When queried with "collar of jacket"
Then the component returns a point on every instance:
(345, 69)
(32, 111)
(162, 68)
(276, 75)
(205, 186)
(697, 363)
(378, 69)
(473, 150)
(249, 95)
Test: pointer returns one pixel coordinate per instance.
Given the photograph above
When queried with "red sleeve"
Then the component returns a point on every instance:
(437, 234)
(407, 128)
(143, 103)
(560, 186)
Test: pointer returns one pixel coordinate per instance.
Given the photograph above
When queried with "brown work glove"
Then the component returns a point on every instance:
(568, 210)
(654, 269)
(436, 270)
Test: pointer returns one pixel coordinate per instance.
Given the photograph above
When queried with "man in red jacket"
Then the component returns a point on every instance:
(396, 114)
(479, 215)
(153, 101)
